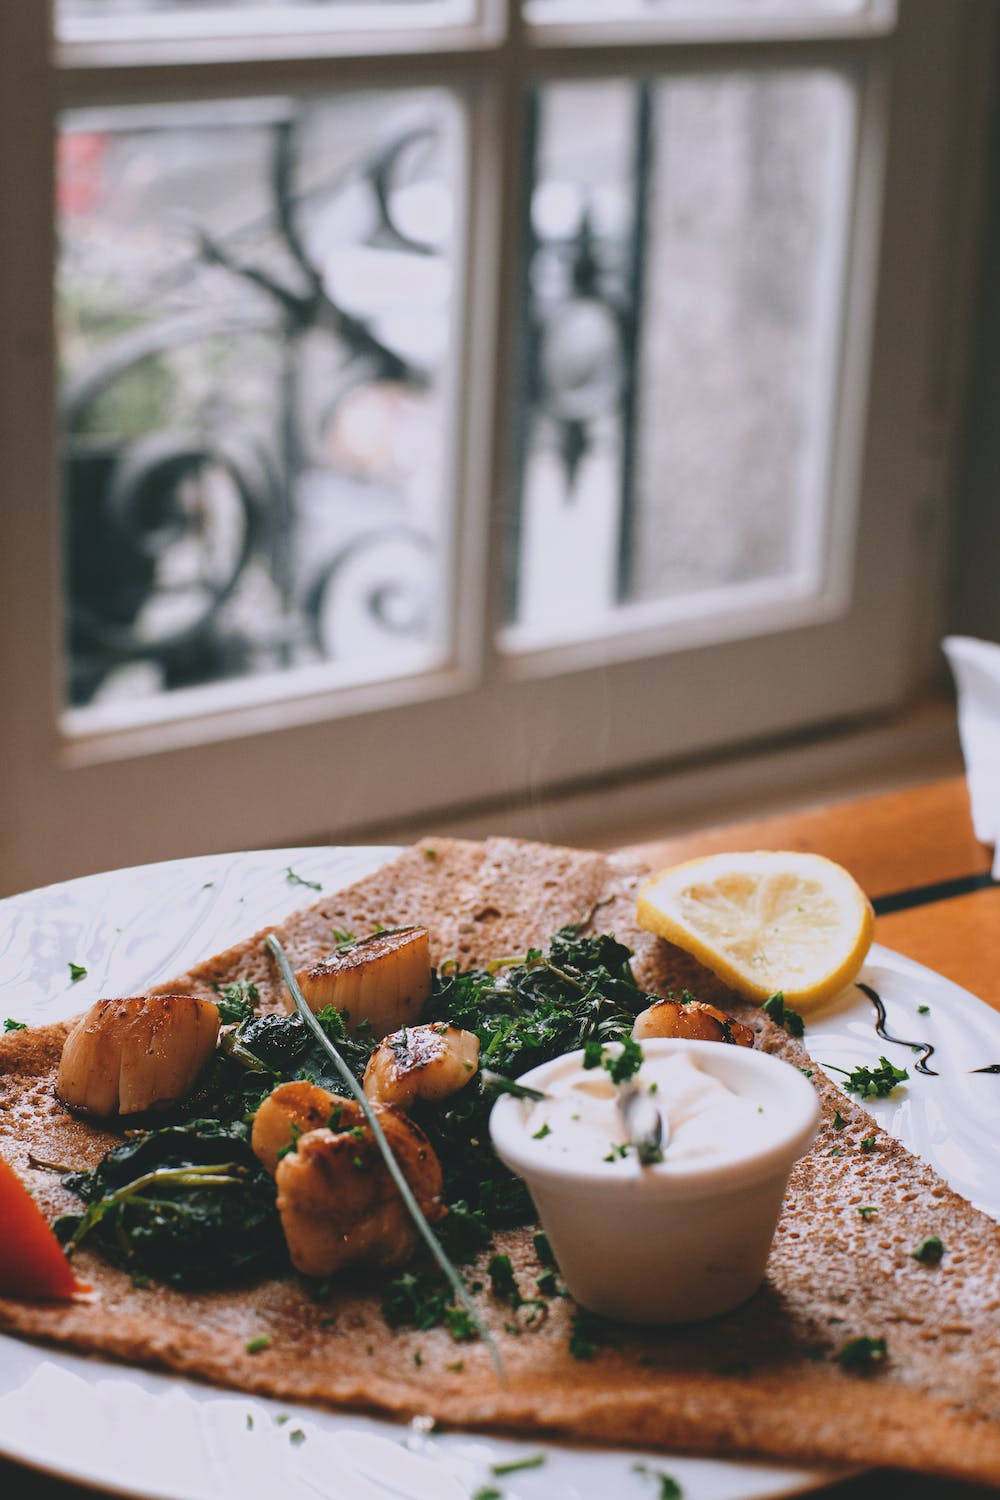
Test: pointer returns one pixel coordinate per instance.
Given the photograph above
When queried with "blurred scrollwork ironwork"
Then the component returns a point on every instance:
(160, 528)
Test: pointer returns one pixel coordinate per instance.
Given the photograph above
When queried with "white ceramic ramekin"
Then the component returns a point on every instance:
(657, 1246)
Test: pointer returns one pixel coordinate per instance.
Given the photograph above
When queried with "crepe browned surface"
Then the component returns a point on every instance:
(761, 1381)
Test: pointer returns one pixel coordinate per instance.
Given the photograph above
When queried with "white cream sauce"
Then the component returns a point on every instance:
(709, 1124)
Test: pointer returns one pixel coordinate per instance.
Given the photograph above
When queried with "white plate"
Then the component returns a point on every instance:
(140, 1433)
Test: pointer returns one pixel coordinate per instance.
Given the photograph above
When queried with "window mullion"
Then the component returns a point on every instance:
(495, 263)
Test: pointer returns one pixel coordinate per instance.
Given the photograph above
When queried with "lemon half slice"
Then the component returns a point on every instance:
(764, 921)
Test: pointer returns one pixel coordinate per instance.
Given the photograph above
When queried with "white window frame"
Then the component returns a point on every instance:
(240, 770)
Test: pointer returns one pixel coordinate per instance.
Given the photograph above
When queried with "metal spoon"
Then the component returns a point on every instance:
(646, 1128)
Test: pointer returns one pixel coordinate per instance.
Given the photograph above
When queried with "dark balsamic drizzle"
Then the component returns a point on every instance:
(992, 1068)
(924, 1048)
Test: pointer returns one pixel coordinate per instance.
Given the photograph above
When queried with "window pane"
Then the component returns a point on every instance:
(100, 20)
(707, 12)
(684, 281)
(711, 14)
(254, 304)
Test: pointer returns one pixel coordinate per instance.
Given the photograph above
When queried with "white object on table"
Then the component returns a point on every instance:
(975, 666)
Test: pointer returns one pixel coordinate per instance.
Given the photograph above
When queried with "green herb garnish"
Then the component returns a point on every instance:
(839, 1122)
(12, 1025)
(782, 1015)
(587, 1334)
(543, 1249)
(923, 1010)
(236, 1001)
(542, 1132)
(872, 1083)
(515, 1465)
(868, 1143)
(669, 1488)
(261, 1342)
(503, 1280)
(77, 971)
(620, 1066)
(293, 879)
(860, 1356)
(867, 1211)
(930, 1250)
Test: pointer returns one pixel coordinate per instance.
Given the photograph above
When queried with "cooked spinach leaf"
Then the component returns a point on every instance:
(189, 1204)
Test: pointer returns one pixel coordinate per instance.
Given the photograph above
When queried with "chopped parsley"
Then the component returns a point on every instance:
(236, 1001)
(669, 1488)
(923, 1010)
(587, 1334)
(839, 1122)
(542, 1132)
(929, 1251)
(862, 1355)
(868, 1143)
(548, 1284)
(807, 1071)
(421, 1300)
(77, 971)
(835, 1151)
(458, 1321)
(345, 941)
(488, 1492)
(620, 1066)
(293, 879)
(296, 1437)
(296, 1131)
(543, 1249)
(783, 1015)
(867, 1211)
(503, 1280)
(515, 1465)
(430, 853)
(12, 1025)
(873, 1083)
(859, 1356)
(261, 1342)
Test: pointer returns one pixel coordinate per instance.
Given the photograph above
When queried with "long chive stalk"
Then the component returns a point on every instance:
(405, 1191)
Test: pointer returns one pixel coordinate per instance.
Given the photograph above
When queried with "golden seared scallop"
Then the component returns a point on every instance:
(129, 1056)
(421, 1062)
(696, 1020)
(337, 1201)
(290, 1111)
(381, 981)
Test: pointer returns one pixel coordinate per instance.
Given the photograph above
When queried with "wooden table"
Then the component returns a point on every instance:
(915, 854)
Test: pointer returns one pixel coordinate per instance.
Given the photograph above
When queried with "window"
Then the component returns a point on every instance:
(451, 400)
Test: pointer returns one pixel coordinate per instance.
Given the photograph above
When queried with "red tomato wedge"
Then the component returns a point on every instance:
(32, 1263)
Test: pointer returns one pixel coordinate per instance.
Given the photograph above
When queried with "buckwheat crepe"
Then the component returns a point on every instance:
(762, 1381)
